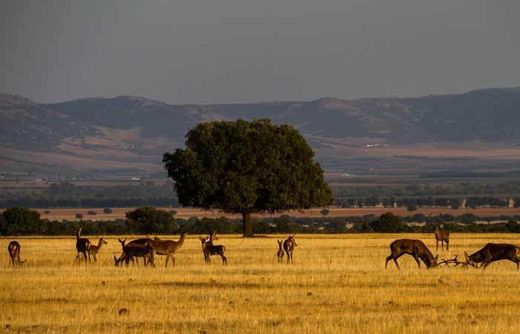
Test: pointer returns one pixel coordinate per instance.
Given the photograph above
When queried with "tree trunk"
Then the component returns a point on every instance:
(248, 225)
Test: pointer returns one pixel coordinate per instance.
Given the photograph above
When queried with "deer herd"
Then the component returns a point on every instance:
(147, 248)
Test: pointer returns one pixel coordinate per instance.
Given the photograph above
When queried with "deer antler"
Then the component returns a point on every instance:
(455, 262)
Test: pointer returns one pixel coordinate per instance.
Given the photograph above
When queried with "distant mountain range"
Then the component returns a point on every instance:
(129, 134)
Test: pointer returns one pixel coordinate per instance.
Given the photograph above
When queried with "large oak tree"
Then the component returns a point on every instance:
(246, 167)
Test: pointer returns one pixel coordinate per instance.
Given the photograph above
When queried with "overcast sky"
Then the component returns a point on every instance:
(239, 50)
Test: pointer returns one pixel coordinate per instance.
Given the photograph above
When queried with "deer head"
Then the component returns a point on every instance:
(469, 261)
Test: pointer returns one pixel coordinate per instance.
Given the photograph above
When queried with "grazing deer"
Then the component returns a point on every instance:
(443, 236)
(136, 250)
(288, 246)
(208, 249)
(14, 253)
(167, 247)
(415, 248)
(494, 252)
(280, 250)
(82, 246)
(93, 250)
(137, 242)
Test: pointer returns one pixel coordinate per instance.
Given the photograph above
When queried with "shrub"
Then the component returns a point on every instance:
(149, 220)
(90, 212)
(325, 212)
(79, 216)
(107, 210)
(18, 221)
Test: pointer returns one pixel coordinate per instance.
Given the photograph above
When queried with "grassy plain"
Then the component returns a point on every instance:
(337, 284)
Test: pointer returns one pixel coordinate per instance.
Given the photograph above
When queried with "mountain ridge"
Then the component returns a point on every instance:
(129, 128)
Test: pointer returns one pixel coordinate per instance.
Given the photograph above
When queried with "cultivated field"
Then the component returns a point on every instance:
(119, 213)
(337, 284)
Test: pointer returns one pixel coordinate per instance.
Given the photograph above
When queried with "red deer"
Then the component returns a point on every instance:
(415, 248)
(208, 249)
(494, 252)
(443, 236)
(280, 250)
(14, 253)
(93, 250)
(135, 250)
(288, 246)
(82, 246)
(137, 242)
(167, 247)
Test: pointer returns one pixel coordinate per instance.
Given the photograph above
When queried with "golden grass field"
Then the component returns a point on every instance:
(337, 284)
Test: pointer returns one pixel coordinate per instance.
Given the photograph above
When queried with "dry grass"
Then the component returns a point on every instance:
(337, 284)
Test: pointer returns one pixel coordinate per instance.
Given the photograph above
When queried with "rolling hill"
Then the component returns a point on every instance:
(479, 130)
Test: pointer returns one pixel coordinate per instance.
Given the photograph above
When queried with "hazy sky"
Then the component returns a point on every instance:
(241, 50)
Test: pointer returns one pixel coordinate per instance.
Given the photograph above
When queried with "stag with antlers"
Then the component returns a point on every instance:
(14, 253)
(494, 252)
(415, 248)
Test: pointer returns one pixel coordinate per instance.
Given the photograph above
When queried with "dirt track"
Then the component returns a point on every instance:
(119, 213)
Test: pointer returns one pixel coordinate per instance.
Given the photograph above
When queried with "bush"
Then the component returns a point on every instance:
(150, 220)
(325, 212)
(79, 216)
(18, 221)
(92, 213)
(388, 223)
(107, 210)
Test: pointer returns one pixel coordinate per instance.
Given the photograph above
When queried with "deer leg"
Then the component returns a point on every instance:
(173, 260)
(167, 258)
(417, 260)
(436, 245)
(388, 258)
(447, 245)
(224, 259)
(396, 264)
(395, 260)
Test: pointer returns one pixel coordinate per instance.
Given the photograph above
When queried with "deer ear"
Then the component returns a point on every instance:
(436, 257)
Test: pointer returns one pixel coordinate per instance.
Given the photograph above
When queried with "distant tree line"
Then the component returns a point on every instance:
(87, 202)
(424, 202)
(69, 195)
(150, 221)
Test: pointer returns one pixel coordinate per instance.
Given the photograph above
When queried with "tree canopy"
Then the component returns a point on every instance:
(149, 220)
(246, 167)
